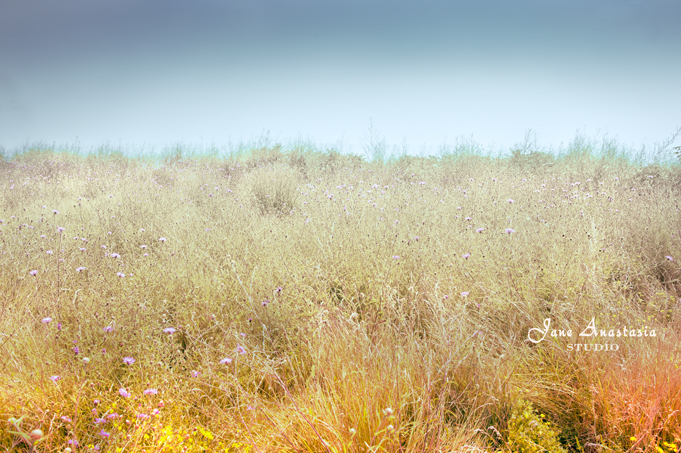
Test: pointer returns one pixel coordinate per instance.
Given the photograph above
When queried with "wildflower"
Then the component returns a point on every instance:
(55, 378)
(469, 218)
(124, 393)
(60, 229)
(66, 418)
(55, 211)
(49, 252)
(146, 254)
(265, 302)
(510, 230)
(241, 350)
(120, 274)
(99, 420)
(510, 201)
(162, 239)
(195, 374)
(395, 257)
(480, 230)
(36, 435)
(103, 433)
(76, 350)
(128, 360)
(59, 326)
(79, 269)
(669, 258)
(226, 360)
(143, 246)
(388, 411)
(108, 328)
(46, 320)
(142, 416)
(112, 416)
(86, 360)
(632, 438)
(466, 256)
(151, 392)
(169, 330)
(464, 294)
(115, 255)
(104, 247)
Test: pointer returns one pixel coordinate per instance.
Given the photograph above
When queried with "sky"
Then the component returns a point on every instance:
(421, 73)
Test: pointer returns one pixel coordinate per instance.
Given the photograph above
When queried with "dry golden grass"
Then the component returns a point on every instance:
(304, 301)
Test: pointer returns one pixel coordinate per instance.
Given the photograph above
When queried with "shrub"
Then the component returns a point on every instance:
(529, 433)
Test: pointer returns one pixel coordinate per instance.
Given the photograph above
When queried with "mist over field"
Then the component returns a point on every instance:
(155, 73)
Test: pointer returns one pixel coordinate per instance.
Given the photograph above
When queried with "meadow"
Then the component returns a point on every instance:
(294, 299)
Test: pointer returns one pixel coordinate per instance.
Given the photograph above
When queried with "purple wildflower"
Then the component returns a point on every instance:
(55, 378)
(46, 320)
(33, 273)
(151, 392)
(124, 393)
(169, 330)
(510, 230)
(226, 360)
(128, 360)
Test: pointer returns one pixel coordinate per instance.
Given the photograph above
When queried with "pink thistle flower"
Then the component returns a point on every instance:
(108, 328)
(510, 201)
(241, 350)
(66, 419)
(669, 258)
(55, 378)
(128, 360)
(151, 392)
(104, 433)
(480, 230)
(169, 330)
(46, 320)
(226, 360)
(466, 256)
(124, 393)
(143, 246)
(79, 269)
(162, 239)
(510, 230)
(464, 294)
(60, 229)
(120, 274)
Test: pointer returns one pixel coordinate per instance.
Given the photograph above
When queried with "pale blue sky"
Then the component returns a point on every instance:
(161, 71)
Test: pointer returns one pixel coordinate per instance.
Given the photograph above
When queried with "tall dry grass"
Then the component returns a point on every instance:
(300, 300)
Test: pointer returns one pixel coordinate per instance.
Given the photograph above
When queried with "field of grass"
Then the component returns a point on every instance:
(300, 300)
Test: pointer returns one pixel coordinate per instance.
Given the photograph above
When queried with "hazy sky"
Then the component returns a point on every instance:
(162, 71)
